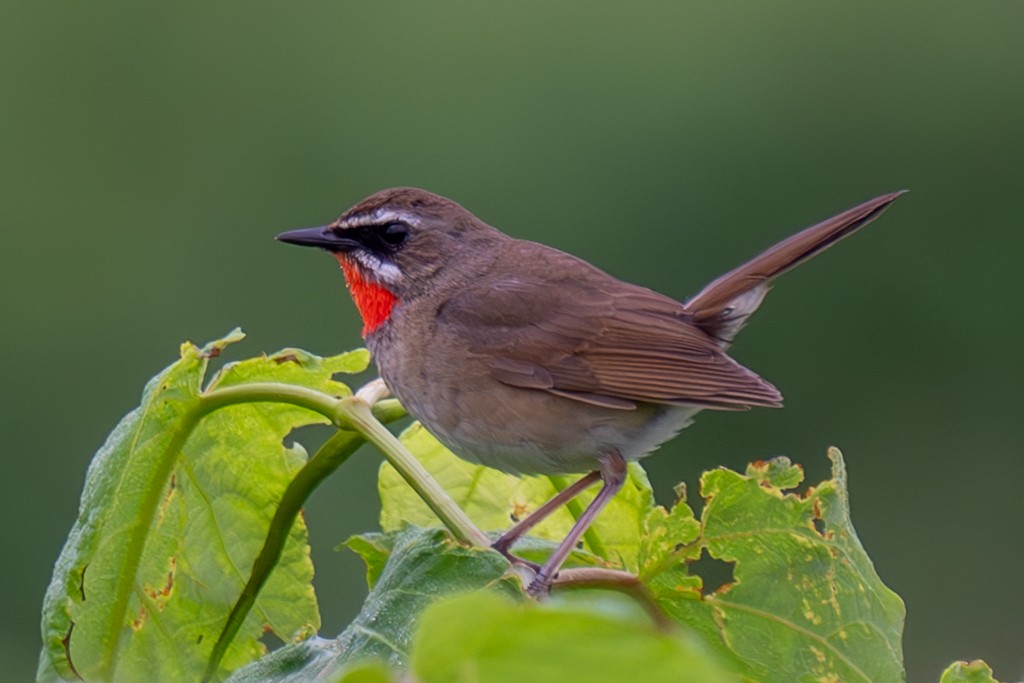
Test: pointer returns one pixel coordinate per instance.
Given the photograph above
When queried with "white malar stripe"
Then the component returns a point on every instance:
(380, 217)
(389, 273)
(385, 271)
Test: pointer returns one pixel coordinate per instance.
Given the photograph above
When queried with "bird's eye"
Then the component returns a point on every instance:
(394, 234)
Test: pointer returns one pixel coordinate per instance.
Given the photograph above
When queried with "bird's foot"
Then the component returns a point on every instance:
(514, 559)
(502, 545)
(539, 587)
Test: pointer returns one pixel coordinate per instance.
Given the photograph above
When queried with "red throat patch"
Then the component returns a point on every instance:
(373, 301)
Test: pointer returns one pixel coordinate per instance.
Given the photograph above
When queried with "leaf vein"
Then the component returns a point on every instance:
(723, 605)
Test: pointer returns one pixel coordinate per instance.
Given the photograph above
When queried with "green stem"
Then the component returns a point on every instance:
(613, 579)
(269, 392)
(388, 410)
(356, 413)
(367, 423)
(576, 509)
(335, 451)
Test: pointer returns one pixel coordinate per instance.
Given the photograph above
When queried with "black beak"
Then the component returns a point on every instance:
(323, 237)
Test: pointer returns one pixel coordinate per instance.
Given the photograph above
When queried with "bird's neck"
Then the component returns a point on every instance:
(374, 302)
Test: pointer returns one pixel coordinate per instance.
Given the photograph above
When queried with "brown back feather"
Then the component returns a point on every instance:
(560, 325)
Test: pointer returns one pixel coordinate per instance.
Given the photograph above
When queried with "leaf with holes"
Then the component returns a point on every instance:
(968, 672)
(805, 602)
(175, 507)
(802, 598)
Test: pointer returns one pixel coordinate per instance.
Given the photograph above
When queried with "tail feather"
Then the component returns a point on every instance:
(722, 307)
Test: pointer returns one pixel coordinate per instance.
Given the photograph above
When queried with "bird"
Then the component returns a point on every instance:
(524, 358)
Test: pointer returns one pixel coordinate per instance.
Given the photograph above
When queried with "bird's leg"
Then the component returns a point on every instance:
(506, 540)
(613, 474)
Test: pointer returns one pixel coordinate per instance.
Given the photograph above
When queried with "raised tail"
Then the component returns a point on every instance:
(722, 307)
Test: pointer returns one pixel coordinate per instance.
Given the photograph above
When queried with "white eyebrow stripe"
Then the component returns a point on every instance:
(379, 217)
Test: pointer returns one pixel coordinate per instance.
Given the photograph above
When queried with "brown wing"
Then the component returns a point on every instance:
(561, 326)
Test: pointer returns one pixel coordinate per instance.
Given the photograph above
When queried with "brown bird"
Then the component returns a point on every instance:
(524, 358)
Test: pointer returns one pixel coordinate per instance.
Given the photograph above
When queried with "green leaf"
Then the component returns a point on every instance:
(483, 637)
(778, 473)
(669, 539)
(968, 672)
(375, 549)
(472, 629)
(289, 663)
(367, 672)
(493, 500)
(177, 504)
(174, 510)
(423, 566)
(805, 602)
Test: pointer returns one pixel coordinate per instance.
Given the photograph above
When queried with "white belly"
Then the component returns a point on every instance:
(524, 447)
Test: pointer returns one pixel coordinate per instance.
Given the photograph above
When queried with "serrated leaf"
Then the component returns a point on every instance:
(669, 539)
(423, 566)
(778, 473)
(968, 672)
(482, 637)
(173, 512)
(806, 602)
(494, 500)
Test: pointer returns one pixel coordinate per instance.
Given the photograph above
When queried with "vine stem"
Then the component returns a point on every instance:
(363, 414)
(614, 579)
(355, 412)
(325, 461)
(268, 392)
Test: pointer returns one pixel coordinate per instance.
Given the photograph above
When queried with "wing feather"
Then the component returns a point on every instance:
(594, 339)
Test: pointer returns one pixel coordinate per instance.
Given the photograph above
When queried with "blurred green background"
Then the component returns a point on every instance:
(151, 151)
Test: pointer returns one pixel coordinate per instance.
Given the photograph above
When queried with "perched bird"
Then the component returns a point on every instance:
(527, 359)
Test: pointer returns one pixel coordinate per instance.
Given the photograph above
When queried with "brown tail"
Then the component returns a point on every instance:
(723, 306)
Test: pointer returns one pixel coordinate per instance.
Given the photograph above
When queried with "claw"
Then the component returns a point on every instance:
(539, 587)
(514, 559)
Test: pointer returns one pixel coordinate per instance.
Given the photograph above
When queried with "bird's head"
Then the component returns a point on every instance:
(396, 244)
